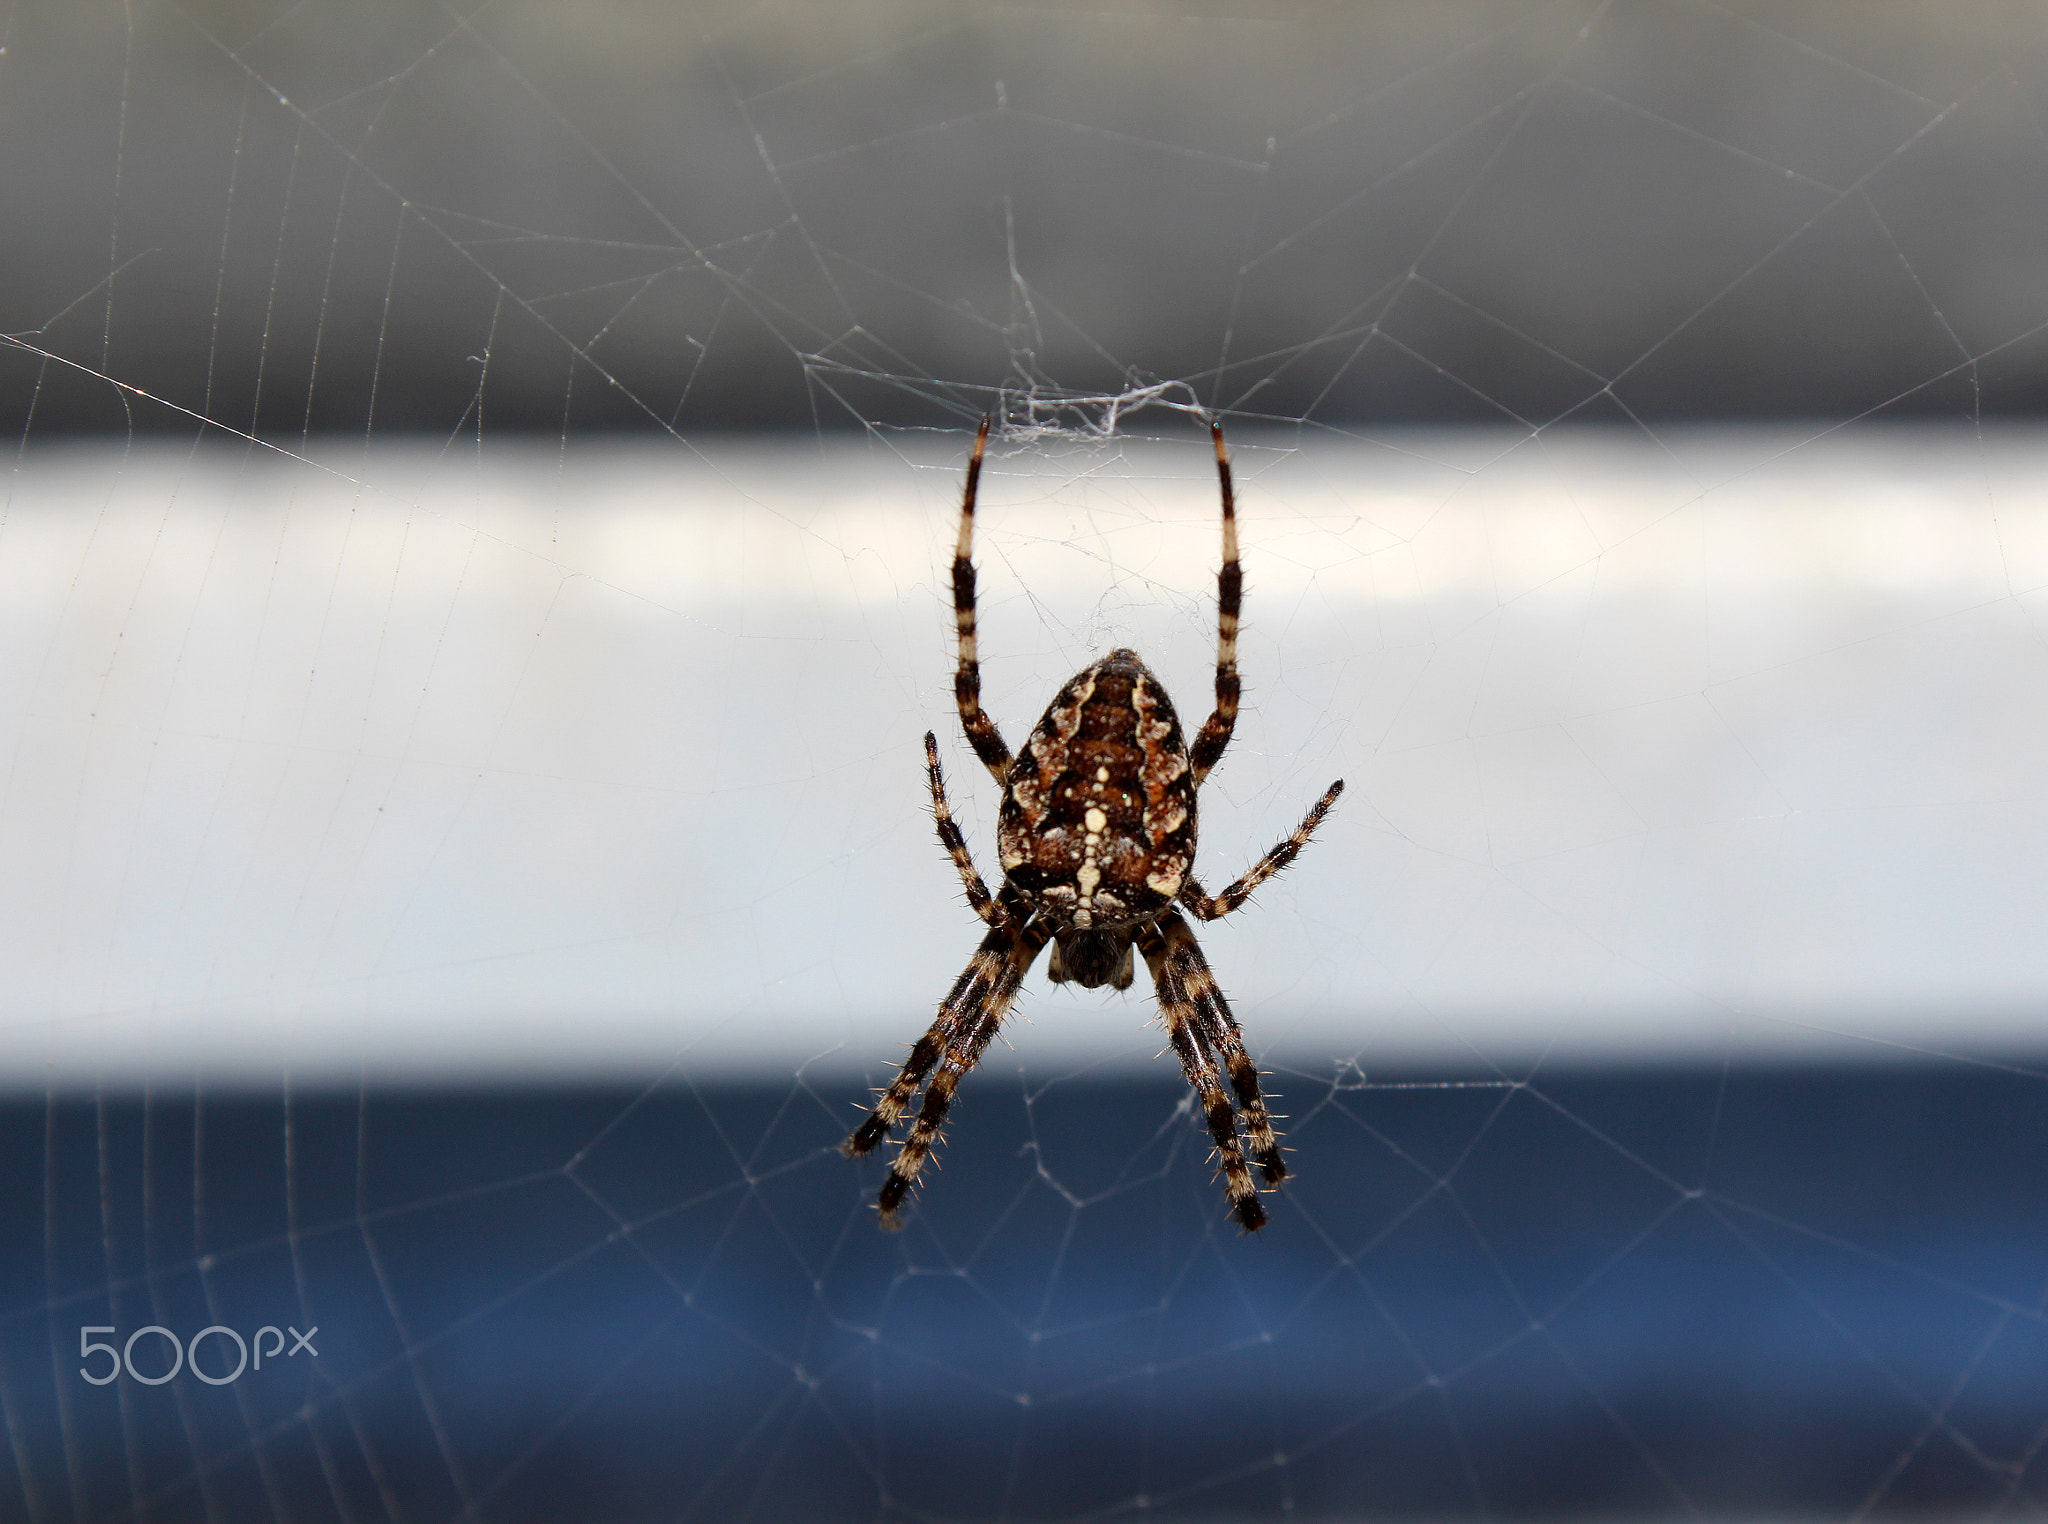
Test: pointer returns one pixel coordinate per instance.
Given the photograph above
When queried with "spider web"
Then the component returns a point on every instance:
(474, 587)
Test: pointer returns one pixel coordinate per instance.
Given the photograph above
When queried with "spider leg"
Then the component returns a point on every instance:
(978, 897)
(1165, 954)
(1214, 735)
(1221, 1032)
(982, 734)
(985, 971)
(1192, 895)
(982, 1013)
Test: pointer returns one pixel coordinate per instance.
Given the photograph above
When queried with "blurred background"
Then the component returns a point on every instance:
(472, 589)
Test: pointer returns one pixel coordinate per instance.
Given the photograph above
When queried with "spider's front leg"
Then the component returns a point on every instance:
(1201, 1028)
(983, 973)
(968, 1018)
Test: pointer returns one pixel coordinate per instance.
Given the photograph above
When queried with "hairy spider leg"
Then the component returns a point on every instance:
(1198, 1062)
(1004, 915)
(985, 971)
(1223, 1036)
(970, 1038)
(1192, 895)
(1215, 732)
(982, 734)
(978, 897)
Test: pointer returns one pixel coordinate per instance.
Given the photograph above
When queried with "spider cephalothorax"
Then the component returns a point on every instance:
(1097, 838)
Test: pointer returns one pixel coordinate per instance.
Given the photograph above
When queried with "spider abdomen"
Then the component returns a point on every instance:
(1098, 814)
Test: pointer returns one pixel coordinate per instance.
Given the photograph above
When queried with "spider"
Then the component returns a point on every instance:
(1097, 839)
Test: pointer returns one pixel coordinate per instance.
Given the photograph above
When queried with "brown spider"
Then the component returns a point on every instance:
(1097, 836)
